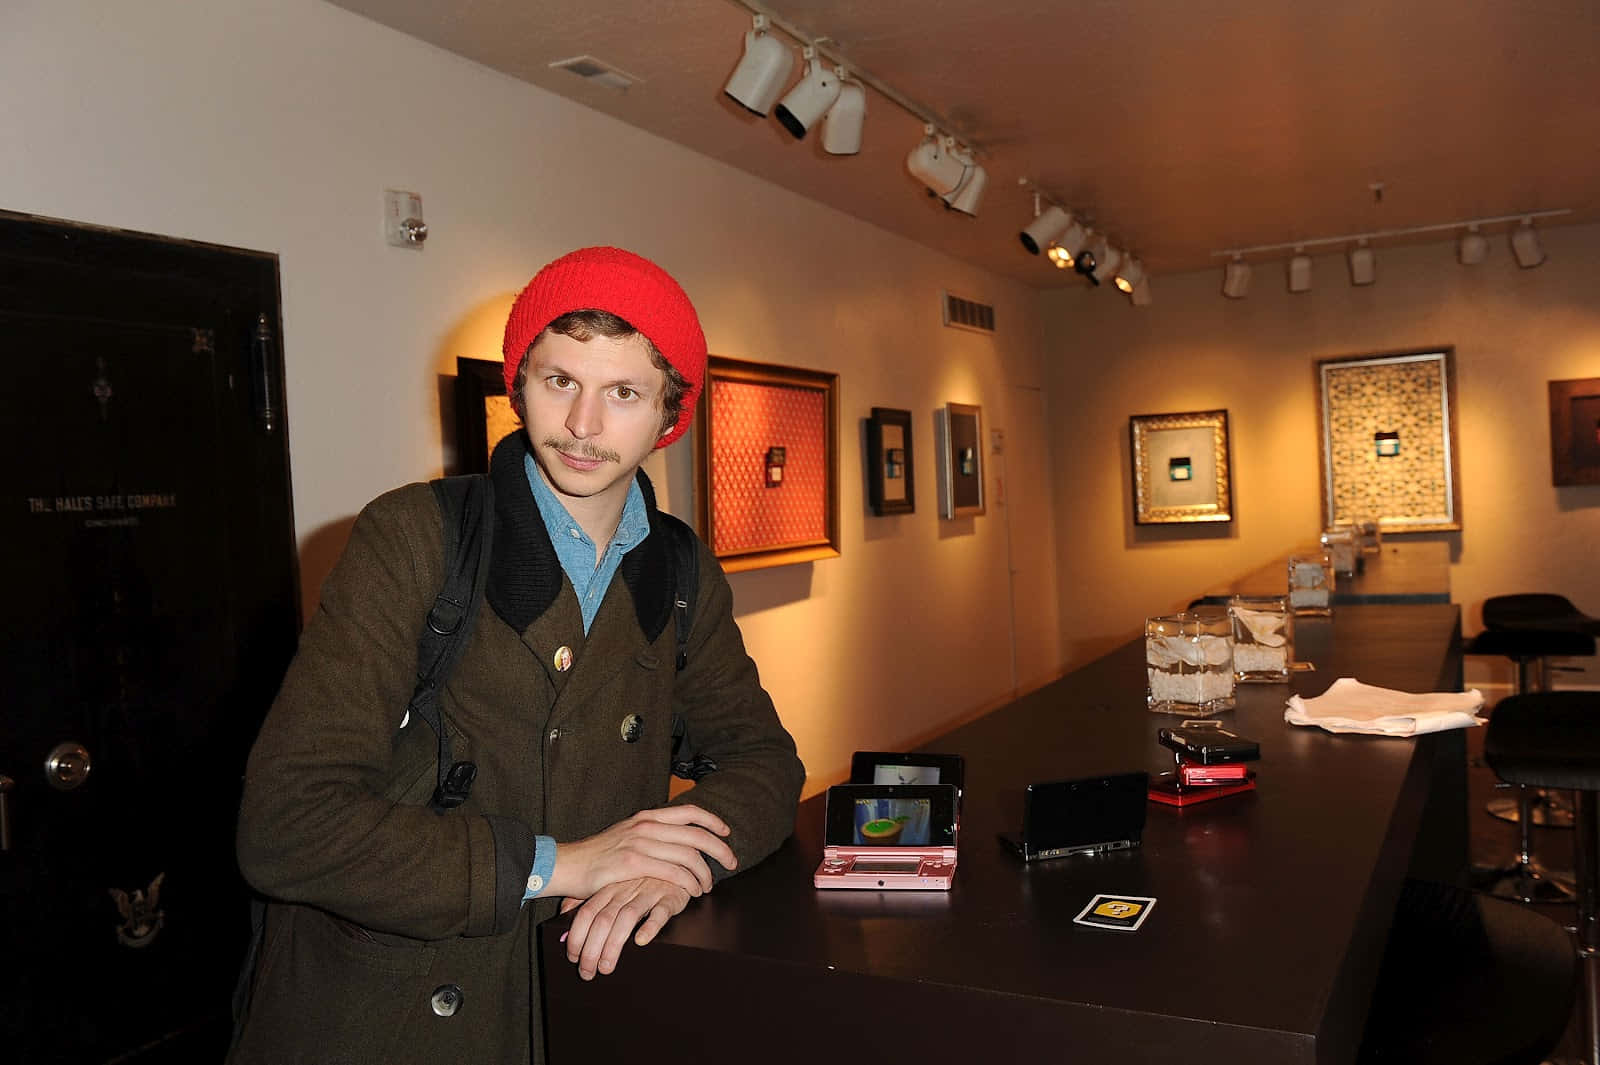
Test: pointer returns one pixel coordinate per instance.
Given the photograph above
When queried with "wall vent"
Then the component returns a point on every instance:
(596, 72)
(968, 314)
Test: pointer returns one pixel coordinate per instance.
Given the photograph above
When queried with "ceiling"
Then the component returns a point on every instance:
(1178, 127)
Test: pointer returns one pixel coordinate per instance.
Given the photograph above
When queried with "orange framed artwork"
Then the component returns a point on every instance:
(767, 470)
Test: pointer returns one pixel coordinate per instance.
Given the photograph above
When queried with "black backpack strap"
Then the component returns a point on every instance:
(685, 581)
(466, 505)
(685, 586)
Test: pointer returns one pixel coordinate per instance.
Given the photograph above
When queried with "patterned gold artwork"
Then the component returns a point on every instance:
(1388, 442)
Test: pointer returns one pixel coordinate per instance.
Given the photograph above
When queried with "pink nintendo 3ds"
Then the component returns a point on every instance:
(889, 837)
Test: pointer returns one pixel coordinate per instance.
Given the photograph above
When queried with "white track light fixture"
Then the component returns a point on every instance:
(1300, 271)
(1363, 267)
(948, 172)
(1236, 279)
(1474, 247)
(841, 127)
(763, 70)
(1044, 228)
(1525, 245)
(1130, 275)
(806, 103)
(934, 164)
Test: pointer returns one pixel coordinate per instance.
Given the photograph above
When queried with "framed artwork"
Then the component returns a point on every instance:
(959, 429)
(483, 412)
(891, 489)
(767, 475)
(1575, 431)
(1388, 448)
(1181, 468)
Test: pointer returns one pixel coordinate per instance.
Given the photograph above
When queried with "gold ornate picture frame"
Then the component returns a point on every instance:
(1182, 469)
(1388, 447)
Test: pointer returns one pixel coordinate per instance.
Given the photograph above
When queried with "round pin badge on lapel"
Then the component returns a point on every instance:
(632, 728)
(562, 659)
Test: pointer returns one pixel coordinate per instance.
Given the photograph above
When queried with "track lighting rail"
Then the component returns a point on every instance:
(1379, 234)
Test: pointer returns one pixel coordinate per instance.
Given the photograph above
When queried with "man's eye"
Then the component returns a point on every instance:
(624, 392)
(561, 382)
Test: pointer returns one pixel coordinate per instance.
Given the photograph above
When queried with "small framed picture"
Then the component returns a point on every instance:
(891, 487)
(959, 428)
(1575, 431)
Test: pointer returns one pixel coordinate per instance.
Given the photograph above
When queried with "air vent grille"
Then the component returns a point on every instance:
(968, 314)
(596, 72)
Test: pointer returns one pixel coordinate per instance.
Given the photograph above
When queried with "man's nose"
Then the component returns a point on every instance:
(584, 417)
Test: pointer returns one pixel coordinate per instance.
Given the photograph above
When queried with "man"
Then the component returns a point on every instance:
(396, 934)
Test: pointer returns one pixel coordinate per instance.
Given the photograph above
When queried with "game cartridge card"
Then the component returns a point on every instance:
(1125, 913)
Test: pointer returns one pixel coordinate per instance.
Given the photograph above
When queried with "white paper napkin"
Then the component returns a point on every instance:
(1351, 706)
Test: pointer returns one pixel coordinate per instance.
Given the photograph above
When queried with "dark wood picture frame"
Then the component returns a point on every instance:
(1387, 448)
(481, 403)
(891, 481)
(713, 465)
(1198, 444)
(1575, 431)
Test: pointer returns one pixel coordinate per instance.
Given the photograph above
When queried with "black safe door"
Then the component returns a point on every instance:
(148, 573)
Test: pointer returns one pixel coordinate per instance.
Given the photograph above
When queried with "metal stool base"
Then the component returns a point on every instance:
(1547, 813)
(1526, 882)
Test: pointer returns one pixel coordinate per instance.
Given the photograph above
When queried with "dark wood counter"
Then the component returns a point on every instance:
(1271, 915)
(1400, 573)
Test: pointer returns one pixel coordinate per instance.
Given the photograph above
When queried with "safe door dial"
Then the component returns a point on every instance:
(67, 766)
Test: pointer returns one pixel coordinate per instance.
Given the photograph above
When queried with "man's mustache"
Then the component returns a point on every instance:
(582, 449)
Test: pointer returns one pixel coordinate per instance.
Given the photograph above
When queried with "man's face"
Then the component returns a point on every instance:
(592, 412)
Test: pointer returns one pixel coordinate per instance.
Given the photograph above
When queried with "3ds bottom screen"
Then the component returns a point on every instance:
(892, 822)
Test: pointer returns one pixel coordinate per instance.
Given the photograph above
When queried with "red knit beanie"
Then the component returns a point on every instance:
(628, 286)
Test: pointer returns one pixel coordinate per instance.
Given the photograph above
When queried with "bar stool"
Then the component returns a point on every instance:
(1550, 740)
(1524, 877)
(1469, 980)
(1537, 610)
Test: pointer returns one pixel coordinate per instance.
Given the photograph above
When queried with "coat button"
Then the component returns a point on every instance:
(447, 1000)
(562, 659)
(632, 728)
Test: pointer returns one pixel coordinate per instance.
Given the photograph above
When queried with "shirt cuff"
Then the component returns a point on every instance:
(544, 863)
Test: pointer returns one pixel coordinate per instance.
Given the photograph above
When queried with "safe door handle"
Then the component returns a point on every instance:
(7, 785)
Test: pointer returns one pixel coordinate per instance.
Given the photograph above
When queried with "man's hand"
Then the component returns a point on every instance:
(606, 918)
(669, 844)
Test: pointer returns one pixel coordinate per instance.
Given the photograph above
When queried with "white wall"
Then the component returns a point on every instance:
(276, 124)
(1513, 330)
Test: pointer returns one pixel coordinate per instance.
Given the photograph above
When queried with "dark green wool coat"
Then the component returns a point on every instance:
(379, 902)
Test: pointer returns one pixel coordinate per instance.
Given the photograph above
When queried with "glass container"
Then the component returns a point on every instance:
(1263, 638)
(1342, 545)
(1311, 585)
(1189, 664)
